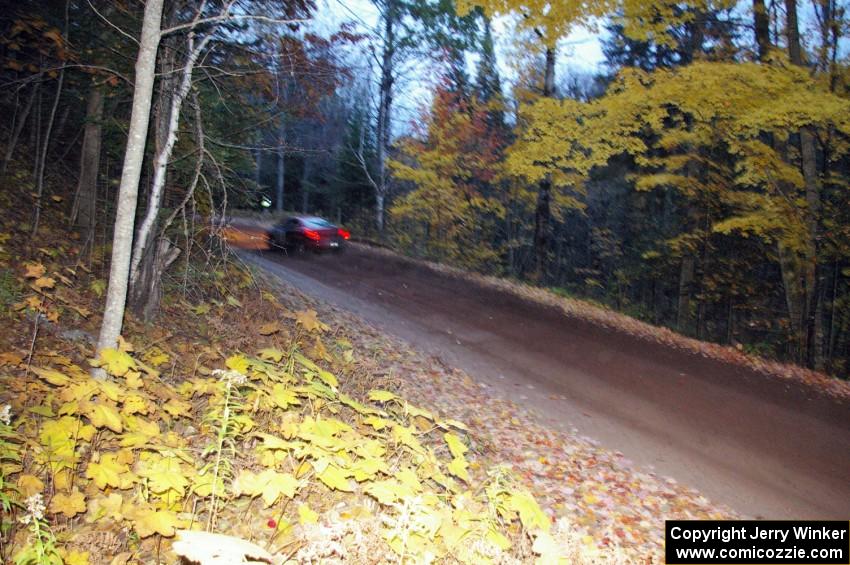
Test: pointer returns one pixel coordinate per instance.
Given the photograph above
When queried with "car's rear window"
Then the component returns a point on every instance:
(317, 223)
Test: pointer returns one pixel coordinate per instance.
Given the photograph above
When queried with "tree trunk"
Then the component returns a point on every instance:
(385, 102)
(151, 273)
(35, 131)
(792, 33)
(808, 156)
(85, 202)
(42, 158)
(128, 191)
(543, 212)
(155, 263)
(280, 188)
(20, 121)
(684, 318)
(762, 29)
(831, 27)
(790, 266)
(305, 188)
(145, 236)
(549, 76)
(258, 167)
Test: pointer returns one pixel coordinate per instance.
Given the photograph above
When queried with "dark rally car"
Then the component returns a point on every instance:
(303, 233)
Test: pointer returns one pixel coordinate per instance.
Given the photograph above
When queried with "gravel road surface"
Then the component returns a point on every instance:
(766, 447)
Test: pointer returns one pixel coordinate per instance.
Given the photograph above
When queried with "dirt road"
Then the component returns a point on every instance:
(765, 447)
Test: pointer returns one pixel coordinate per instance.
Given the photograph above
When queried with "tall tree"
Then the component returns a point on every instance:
(390, 21)
(152, 251)
(447, 214)
(405, 27)
(761, 27)
(550, 22)
(150, 259)
(85, 201)
(128, 190)
(812, 313)
(488, 83)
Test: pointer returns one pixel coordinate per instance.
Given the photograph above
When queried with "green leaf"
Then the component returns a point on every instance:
(406, 436)
(201, 309)
(109, 472)
(388, 491)
(306, 515)
(148, 522)
(377, 423)
(355, 405)
(269, 484)
(98, 286)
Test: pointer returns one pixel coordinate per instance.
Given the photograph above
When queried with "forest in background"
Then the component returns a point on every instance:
(698, 182)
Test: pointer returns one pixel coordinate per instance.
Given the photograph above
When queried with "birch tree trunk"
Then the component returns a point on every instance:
(385, 103)
(144, 237)
(128, 191)
(159, 259)
(145, 249)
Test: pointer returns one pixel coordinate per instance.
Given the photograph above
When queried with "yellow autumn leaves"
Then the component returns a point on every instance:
(129, 451)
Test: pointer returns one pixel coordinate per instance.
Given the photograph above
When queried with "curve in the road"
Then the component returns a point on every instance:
(764, 446)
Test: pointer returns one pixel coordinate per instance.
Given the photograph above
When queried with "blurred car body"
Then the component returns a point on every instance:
(307, 233)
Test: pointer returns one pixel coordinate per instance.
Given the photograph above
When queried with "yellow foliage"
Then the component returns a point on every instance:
(115, 362)
(68, 504)
(108, 471)
(30, 485)
(148, 521)
(105, 507)
(447, 215)
(340, 444)
(690, 110)
(269, 484)
(103, 415)
(163, 474)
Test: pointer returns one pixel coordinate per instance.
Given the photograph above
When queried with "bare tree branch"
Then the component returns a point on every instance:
(112, 25)
(232, 17)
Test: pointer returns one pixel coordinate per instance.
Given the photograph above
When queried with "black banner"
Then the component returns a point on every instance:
(760, 542)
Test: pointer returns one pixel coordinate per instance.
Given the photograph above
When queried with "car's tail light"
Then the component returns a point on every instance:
(311, 234)
(344, 234)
